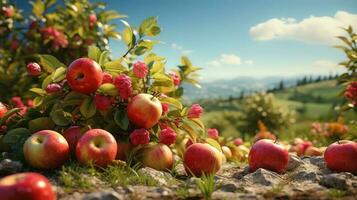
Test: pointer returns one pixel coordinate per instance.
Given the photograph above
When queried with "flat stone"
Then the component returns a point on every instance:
(104, 195)
(263, 177)
(160, 177)
(294, 162)
(336, 180)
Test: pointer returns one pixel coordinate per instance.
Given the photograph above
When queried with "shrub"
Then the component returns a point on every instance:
(263, 107)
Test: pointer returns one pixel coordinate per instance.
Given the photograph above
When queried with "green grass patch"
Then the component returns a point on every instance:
(336, 193)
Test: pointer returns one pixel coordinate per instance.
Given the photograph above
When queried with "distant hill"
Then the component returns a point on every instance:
(233, 87)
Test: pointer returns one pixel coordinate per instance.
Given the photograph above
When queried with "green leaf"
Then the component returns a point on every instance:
(59, 74)
(172, 101)
(94, 53)
(38, 7)
(149, 27)
(37, 101)
(128, 36)
(88, 108)
(49, 63)
(41, 123)
(158, 67)
(60, 117)
(103, 58)
(214, 143)
(108, 89)
(12, 137)
(38, 91)
(115, 67)
(74, 98)
(46, 81)
(121, 119)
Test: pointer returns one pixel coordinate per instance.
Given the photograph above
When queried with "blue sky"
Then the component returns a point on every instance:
(217, 36)
(230, 38)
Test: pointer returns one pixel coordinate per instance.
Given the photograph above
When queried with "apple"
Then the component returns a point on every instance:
(341, 156)
(96, 146)
(313, 151)
(72, 135)
(84, 75)
(46, 149)
(29, 186)
(123, 150)
(238, 141)
(144, 110)
(227, 152)
(157, 156)
(269, 155)
(202, 158)
(3, 110)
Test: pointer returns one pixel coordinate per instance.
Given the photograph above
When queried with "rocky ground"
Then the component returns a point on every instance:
(306, 178)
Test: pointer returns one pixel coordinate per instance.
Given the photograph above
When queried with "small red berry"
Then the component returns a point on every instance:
(33, 69)
(53, 88)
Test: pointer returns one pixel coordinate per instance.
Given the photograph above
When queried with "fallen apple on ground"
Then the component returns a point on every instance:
(26, 186)
(144, 110)
(341, 156)
(202, 158)
(72, 135)
(84, 75)
(268, 154)
(157, 156)
(46, 149)
(96, 146)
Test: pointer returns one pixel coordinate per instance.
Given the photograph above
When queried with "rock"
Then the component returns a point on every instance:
(8, 166)
(104, 195)
(160, 177)
(230, 187)
(294, 162)
(306, 172)
(263, 177)
(337, 180)
(315, 160)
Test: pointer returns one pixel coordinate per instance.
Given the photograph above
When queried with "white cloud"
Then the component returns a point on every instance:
(229, 60)
(321, 30)
(181, 49)
(249, 62)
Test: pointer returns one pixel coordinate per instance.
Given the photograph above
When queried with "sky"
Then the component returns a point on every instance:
(258, 38)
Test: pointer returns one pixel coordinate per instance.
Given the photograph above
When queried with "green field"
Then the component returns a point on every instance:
(312, 102)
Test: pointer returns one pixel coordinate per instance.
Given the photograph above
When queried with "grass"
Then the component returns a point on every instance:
(336, 193)
(206, 185)
(73, 176)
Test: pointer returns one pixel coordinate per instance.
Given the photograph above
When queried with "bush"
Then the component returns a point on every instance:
(62, 29)
(262, 107)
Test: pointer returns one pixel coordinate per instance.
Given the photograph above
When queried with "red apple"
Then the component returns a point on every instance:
(144, 110)
(202, 158)
(227, 152)
(123, 150)
(157, 156)
(341, 156)
(26, 186)
(313, 151)
(269, 155)
(46, 149)
(84, 75)
(96, 146)
(3, 110)
(72, 135)
(238, 141)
